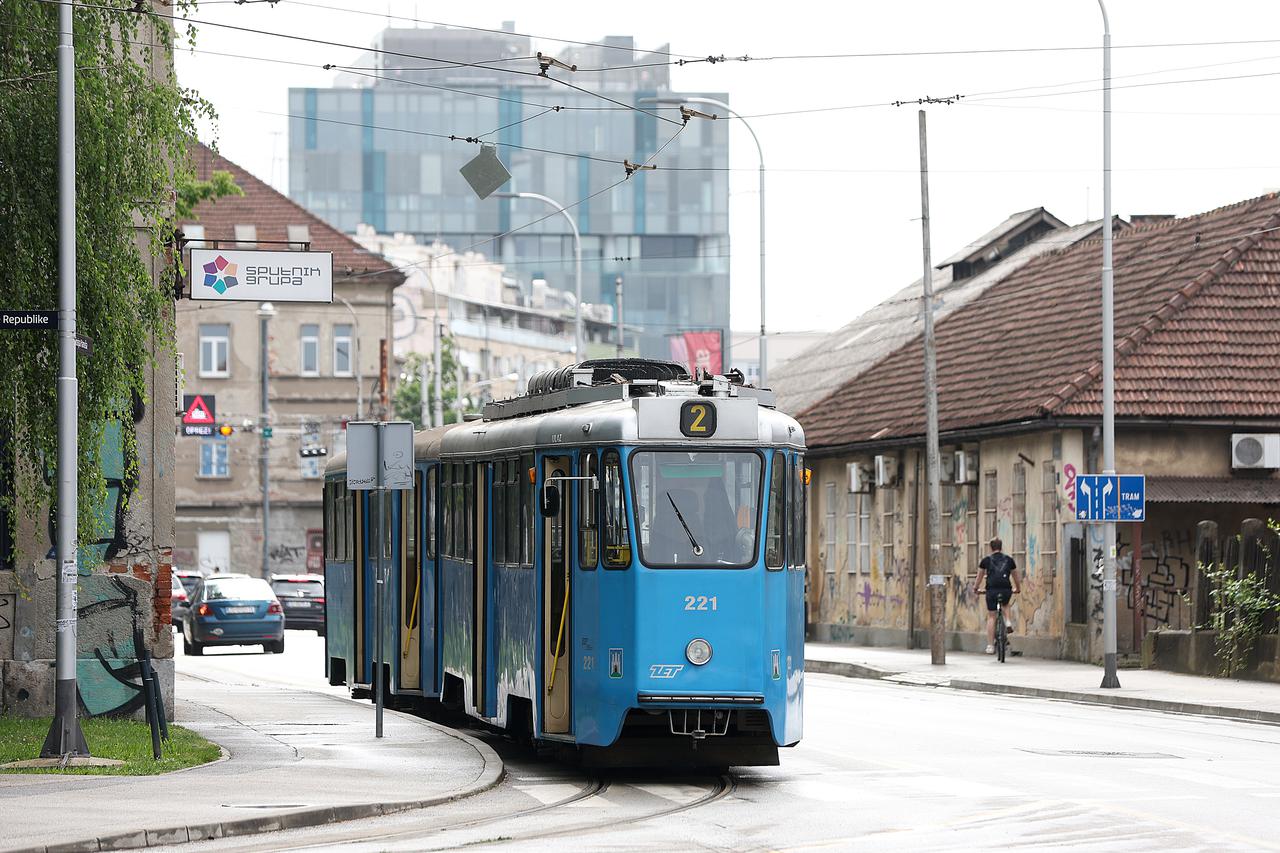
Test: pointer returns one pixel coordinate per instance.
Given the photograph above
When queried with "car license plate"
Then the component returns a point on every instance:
(239, 610)
(299, 603)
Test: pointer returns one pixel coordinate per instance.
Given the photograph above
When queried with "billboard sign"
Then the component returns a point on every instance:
(250, 275)
(698, 351)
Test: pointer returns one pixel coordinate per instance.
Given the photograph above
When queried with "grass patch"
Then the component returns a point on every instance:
(126, 740)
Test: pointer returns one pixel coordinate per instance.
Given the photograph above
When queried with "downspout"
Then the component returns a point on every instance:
(915, 550)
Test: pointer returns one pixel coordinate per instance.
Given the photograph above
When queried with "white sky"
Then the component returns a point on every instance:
(843, 187)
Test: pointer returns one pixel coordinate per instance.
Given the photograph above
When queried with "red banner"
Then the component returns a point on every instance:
(698, 350)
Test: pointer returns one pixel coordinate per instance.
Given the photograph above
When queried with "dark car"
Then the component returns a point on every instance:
(190, 578)
(233, 610)
(179, 602)
(303, 599)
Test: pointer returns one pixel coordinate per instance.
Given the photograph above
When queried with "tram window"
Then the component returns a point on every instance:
(511, 487)
(799, 507)
(446, 505)
(588, 503)
(429, 499)
(470, 504)
(617, 536)
(458, 548)
(774, 558)
(499, 514)
(410, 521)
(328, 521)
(527, 507)
(342, 523)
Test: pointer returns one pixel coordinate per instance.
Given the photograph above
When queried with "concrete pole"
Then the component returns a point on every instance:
(617, 300)
(264, 443)
(423, 414)
(937, 579)
(65, 736)
(1109, 677)
(437, 340)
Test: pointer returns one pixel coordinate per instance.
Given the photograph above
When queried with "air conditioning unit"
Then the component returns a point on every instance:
(946, 467)
(966, 466)
(1255, 450)
(887, 471)
(860, 477)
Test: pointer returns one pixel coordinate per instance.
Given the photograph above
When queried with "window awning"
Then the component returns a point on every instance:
(1214, 490)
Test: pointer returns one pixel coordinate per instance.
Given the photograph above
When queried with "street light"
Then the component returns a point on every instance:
(265, 312)
(355, 356)
(712, 102)
(577, 264)
(1109, 677)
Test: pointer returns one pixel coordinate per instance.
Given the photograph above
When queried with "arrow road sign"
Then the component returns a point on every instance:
(1111, 497)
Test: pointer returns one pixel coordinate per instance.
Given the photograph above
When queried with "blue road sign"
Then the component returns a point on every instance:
(1111, 497)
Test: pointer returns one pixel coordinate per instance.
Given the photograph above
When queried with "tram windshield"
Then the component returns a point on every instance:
(696, 509)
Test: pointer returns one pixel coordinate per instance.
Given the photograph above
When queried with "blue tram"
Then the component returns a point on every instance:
(612, 563)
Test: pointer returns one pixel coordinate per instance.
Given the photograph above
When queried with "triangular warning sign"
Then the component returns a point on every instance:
(198, 412)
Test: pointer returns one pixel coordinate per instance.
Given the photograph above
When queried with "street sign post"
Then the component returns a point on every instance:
(1111, 497)
(379, 457)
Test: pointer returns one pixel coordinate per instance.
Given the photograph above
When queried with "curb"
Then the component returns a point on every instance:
(489, 777)
(1193, 709)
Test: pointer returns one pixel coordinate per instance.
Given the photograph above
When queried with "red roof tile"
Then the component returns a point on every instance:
(271, 212)
(1197, 313)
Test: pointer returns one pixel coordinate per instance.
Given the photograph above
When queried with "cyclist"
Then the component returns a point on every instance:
(998, 577)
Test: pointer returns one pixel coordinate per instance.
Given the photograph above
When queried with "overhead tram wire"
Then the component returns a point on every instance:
(380, 51)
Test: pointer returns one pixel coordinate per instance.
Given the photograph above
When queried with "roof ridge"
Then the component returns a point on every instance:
(215, 156)
(1172, 306)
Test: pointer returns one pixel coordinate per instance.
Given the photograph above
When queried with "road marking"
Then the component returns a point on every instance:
(1215, 780)
(549, 793)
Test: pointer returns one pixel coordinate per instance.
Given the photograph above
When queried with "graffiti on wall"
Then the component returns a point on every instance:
(108, 675)
(1069, 488)
(1166, 575)
(286, 555)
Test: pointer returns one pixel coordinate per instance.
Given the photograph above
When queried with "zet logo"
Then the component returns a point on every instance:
(220, 274)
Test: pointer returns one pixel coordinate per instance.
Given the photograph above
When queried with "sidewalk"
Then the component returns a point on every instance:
(1053, 679)
(294, 758)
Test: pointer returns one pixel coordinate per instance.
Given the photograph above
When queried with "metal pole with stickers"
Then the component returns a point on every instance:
(379, 459)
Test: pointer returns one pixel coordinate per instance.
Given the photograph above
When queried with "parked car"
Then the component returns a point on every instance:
(233, 610)
(303, 600)
(189, 579)
(179, 602)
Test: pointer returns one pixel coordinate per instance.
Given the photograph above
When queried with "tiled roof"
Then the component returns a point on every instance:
(1213, 490)
(1197, 313)
(856, 347)
(271, 212)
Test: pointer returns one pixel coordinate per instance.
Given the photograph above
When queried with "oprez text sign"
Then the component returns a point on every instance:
(245, 275)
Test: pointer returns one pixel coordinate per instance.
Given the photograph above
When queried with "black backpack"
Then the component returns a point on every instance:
(1001, 567)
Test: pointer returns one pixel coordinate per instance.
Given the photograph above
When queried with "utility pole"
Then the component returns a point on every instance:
(265, 312)
(617, 299)
(65, 737)
(1109, 677)
(937, 579)
(423, 415)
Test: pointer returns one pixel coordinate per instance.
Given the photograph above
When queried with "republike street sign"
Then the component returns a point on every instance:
(10, 319)
(1111, 497)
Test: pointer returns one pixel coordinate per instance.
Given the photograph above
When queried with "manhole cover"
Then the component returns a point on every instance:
(1099, 753)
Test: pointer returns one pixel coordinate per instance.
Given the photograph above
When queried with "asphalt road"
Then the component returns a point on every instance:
(881, 767)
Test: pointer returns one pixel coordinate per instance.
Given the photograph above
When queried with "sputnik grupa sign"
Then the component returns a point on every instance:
(250, 275)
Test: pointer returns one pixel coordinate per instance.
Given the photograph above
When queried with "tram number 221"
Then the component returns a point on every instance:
(700, 602)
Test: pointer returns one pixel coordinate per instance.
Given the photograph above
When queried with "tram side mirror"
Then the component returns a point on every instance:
(550, 501)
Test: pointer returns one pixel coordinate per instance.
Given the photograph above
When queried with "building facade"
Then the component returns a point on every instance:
(1019, 393)
(326, 364)
(374, 150)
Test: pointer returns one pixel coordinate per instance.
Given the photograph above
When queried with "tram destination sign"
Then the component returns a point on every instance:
(251, 275)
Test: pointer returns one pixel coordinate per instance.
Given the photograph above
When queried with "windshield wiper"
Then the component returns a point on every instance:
(697, 549)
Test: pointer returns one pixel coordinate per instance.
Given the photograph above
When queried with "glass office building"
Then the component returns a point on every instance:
(370, 150)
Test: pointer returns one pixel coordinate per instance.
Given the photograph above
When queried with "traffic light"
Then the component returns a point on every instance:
(226, 430)
(309, 452)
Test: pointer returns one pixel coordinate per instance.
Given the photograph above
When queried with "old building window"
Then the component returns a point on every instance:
(215, 344)
(298, 235)
(309, 343)
(1049, 515)
(246, 236)
(213, 458)
(342, 355)
(946, 535)
(888, 528)
(829, 527)
(1018, 549)
(972, 547)
(990, 500)
(194, 233)
(859, 521)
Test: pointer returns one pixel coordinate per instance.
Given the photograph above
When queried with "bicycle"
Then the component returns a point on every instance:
(1002, 629)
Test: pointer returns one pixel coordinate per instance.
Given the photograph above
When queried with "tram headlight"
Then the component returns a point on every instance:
(698, 652)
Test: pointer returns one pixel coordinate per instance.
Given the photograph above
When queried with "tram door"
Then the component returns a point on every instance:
(360, 564)
(557, 625)
(477, 489)
(410, 585)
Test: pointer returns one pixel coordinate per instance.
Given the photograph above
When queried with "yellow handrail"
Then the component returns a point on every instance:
(413, 617)
(555, 657)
